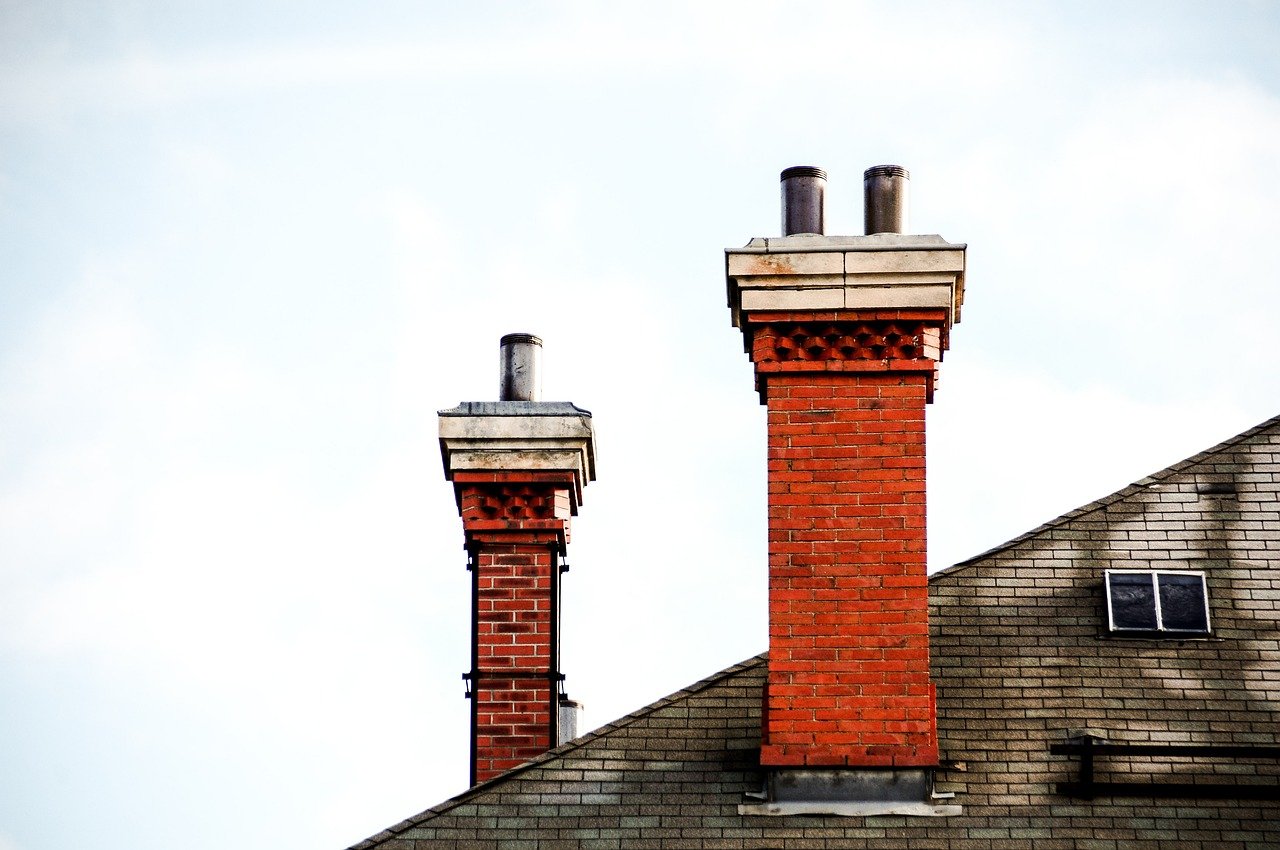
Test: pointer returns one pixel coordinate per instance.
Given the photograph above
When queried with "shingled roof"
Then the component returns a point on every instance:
(674, 770)
(1023, 661)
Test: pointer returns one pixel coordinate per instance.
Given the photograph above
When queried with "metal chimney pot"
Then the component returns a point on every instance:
(521, 365)
(569, 719)
(886, 208)
(803, 200)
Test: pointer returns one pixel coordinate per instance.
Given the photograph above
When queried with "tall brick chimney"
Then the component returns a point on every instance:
(845, 334)
(518, 467)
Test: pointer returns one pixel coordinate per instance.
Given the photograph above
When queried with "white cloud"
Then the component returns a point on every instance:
(758, 45)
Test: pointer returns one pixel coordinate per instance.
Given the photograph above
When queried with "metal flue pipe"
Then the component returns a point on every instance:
(803, 200)
(520, 357)
(886, 199)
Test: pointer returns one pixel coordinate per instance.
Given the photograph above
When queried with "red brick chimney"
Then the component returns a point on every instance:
(845, 333)
(518, 467)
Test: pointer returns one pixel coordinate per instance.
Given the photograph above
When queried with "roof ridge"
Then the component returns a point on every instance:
(567, 747)
(1124, 492)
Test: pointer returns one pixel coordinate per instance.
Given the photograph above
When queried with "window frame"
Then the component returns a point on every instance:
(1159, 630)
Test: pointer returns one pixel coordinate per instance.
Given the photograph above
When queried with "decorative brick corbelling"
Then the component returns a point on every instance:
(514, 507)
(513, 502)
(842, 341)
(867, 340)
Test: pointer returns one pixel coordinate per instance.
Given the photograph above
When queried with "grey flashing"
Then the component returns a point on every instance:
(858, 809)
(850, 792)
(515, 408)
(803, 243)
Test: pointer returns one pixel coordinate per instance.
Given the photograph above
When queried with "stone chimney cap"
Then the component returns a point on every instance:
(515, 408)
(528, 437)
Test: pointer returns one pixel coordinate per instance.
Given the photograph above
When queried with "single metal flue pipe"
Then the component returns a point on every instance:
(521, 368)
(803, 200)
(570, 714)
(886, 205)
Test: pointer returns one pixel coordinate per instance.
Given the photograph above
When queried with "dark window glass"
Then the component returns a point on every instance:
(1182, 607)
(1133, 601)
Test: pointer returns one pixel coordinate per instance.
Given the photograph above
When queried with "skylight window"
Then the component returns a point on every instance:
(1157, 602)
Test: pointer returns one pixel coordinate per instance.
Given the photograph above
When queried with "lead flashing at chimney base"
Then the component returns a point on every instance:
(518, 469)
(851, 792)
(845, 334)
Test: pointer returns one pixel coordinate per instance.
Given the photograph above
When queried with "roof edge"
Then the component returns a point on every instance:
(1124, 492)
(622, 722)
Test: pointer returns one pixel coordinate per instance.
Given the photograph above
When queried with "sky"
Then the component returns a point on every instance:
(248, 250)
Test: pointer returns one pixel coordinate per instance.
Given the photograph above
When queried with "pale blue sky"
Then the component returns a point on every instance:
(247, 250)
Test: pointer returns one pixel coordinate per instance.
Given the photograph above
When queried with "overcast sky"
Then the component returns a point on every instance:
(248, 249)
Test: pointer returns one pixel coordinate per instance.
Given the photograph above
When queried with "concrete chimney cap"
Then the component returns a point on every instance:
(519, 436)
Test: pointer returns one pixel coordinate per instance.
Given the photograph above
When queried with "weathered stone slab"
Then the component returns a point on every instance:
(882, 271)
(518, 436)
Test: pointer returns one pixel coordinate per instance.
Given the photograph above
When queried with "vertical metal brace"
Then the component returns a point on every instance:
(1086, 760)
(473, 566)
(553, 673)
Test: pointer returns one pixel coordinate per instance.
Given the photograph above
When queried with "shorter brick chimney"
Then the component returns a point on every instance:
(518, 467)
(845, 334)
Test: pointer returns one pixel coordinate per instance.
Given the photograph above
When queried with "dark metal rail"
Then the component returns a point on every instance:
(1089, 748)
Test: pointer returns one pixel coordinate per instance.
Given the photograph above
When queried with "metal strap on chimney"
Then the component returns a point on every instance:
(497, 675)
(473, 567)
(553, 710)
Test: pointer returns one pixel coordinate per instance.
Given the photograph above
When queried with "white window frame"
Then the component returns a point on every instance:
(1155, 589)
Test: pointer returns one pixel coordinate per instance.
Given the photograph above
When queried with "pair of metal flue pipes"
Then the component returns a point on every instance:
(803, 211)
(804, 200)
